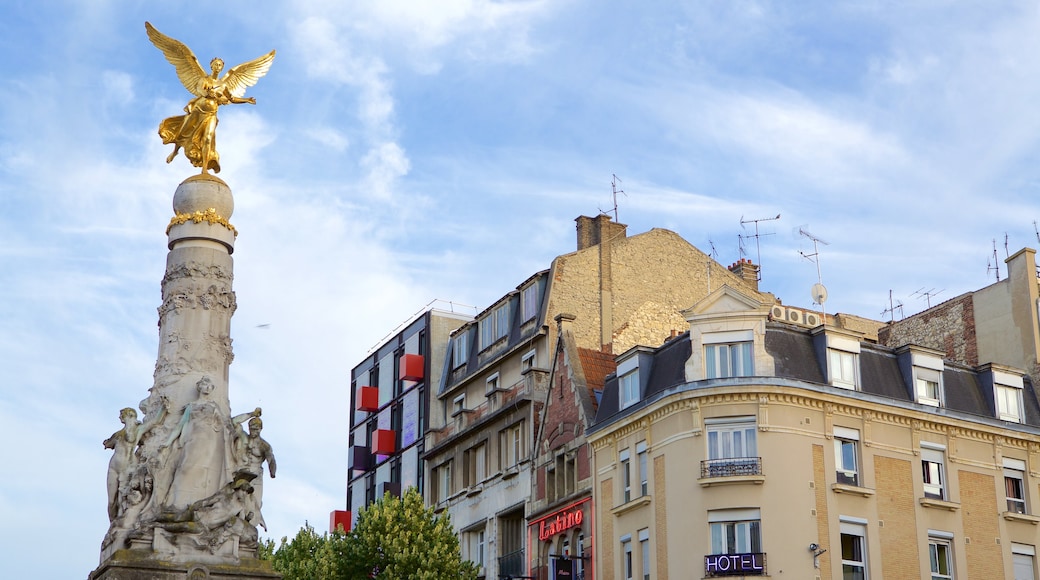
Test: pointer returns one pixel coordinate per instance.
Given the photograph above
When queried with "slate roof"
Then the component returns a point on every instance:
(799, 358)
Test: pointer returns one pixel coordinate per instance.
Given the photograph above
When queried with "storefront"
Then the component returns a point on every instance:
(561, 542)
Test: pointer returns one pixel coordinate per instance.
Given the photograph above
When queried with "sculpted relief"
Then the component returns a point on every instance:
(191, 476)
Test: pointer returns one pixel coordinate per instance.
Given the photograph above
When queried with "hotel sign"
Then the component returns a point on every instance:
(752, 564)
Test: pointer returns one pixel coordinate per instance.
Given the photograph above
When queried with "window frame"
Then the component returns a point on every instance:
(494, 326)
(530, 301)
(843, 368)
(940, 553)
(628, 388)
(844, 440)
(641, 461)
(1015, 482)
(934, 455)
(644, 551)
(460, 349)
(735, 531)
(723, 360)
(626, 557)
(1005, 394)
(923, 383)
(857, 534)
(748, 425)
(625, 465)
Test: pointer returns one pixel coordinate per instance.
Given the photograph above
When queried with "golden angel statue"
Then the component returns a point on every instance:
(196, 131)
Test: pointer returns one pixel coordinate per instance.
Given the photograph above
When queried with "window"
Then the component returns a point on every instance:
(626, 556)
(736, 531)
(475, 465)
(732, 448)
(527, 362)
(843, 367)
(929, 386)
(511, 449)
(940, 557)
(458, 405)
(846, 455)
(460, 350)
(626, 476)
(728, 360)
(579, 564)
(492, 384)
(474, 544)
(1009, 403)
(442, 482)
(644, 549)
(932, 468)
(1014, 485)
(628, 385)
(641, 456)
(853, 551)
(1022, 556)
(494, 326)
(529, 299)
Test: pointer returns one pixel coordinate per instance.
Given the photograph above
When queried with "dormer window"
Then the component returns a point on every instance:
(628, 386)
(843, 368)
(494, 326)
(928, 383)
(729, 354)
(1009, 402)
(460, 349)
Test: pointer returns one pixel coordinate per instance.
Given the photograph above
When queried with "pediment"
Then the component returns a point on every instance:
(725, 300)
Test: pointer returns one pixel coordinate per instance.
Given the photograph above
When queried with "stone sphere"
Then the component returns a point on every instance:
(201, 192)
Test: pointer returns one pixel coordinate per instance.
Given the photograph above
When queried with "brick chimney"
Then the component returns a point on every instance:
(747, 272)
(594, 231)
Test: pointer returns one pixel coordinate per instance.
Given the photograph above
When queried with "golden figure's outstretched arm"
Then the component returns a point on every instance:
(245, 75)
(189, 71)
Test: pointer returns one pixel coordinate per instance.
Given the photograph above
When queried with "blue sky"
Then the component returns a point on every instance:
(406, 151)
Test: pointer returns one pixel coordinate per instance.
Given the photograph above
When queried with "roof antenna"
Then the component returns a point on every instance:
(927, 294)
(714, 258)
(819, 291)
(614, 180)
(892, 307)
(1037, 231)
(1007, 254)
(757, 235)
(995, 267)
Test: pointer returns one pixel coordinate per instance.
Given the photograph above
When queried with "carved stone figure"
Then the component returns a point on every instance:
(201, 465)
(122, 465)
(252, 451)
(196, 131)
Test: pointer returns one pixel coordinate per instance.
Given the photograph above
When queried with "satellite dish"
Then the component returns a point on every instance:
(819, 293)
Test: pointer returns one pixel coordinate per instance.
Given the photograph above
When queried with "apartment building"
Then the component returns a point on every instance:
(754, 446)
(617, 291)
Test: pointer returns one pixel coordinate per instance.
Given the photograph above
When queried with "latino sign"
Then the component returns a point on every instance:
(752, 564)
(564, 520)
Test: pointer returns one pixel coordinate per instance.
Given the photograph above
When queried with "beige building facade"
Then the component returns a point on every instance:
(618, 291)
(757, 447)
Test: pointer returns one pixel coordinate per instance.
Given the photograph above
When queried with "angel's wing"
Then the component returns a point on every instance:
(180, 56)
(245, 75)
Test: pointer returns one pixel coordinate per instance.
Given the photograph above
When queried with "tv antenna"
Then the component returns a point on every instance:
(818, 291)
(1007, 253)
(995, 267)
(1036, 231)
(927, 294)
(892, 307)
(758, 246)
(614, 181)
(714, 258)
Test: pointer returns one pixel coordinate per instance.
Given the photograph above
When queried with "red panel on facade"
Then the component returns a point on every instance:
(368, 399)
(412, 366)
(384, 442)
(339, 518)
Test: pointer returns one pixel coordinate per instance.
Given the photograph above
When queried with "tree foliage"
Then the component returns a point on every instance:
(395, 538)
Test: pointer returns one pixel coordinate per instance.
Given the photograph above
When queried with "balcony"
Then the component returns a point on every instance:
(368, 399)
(411, 367)
(511, 565)
(501, 399)
(731, 470)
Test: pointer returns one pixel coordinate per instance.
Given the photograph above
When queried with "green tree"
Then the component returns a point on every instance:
(308, 556)
(394, 539)
(400, 538)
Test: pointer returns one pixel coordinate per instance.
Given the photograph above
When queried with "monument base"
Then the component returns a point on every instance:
(131, 564)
